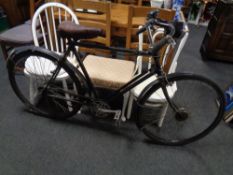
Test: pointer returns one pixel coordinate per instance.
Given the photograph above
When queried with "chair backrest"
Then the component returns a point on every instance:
(170, 55)
(95, 14)
(138, 68)
(183, 40)
(139, 12)
(35, 4)
(164, 53)
(45, 22)
(132, 2)
(168, 58)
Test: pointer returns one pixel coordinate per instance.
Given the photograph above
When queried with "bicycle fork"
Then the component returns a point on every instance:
(180, 112)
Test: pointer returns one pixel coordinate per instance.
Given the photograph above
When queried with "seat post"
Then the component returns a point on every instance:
(86, 75)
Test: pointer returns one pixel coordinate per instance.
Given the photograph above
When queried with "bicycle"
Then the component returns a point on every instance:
(194, 105)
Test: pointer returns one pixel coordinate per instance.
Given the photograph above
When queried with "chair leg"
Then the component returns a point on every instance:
(125, 102)
(64, 83)
(4, 51)
(130, 105)
(76, 91)
(32, 90)
(163, 115)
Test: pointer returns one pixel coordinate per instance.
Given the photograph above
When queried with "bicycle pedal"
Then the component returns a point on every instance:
(119, 118)
(116, 113)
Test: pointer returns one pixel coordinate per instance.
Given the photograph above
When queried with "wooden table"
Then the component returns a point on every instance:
(119, 18)
(119, 15)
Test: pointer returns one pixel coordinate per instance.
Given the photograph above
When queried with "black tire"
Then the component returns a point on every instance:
(201, 107)
(50, 100)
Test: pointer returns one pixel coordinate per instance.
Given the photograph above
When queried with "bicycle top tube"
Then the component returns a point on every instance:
(114, 49)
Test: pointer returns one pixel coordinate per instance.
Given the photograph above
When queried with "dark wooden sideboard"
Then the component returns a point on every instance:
(218, 40)
(17, 11)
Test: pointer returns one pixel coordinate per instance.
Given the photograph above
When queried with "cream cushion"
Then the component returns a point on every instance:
(107, 72)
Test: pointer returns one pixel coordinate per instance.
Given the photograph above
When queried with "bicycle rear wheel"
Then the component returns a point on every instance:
(199, 103)
(30, 73)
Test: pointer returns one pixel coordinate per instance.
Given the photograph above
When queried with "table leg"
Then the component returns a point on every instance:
(4, 51)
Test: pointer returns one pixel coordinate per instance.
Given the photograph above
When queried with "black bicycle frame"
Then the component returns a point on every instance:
(131, 84)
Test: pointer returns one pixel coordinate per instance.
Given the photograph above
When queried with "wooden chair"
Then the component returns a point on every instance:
(132, 2)
(135, 13)
(96, 14)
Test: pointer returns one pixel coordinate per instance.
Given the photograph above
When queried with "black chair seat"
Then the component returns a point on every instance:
(18, 35)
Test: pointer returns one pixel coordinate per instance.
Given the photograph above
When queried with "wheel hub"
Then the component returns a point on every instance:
(181, 114)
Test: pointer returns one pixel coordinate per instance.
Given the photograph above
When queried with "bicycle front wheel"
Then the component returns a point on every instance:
(198, 107)
(30, 73)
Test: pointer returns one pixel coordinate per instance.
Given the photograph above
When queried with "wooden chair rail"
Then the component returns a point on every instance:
(133, 2)
(95, 5)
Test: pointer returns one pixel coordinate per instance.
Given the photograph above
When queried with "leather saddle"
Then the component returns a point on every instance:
(68, 29)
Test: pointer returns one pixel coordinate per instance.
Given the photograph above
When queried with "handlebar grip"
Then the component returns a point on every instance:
(157, 46)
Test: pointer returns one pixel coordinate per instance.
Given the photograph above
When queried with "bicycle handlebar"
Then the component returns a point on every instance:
(169, 27)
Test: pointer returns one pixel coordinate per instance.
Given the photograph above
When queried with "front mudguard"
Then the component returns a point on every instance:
(157, 83)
